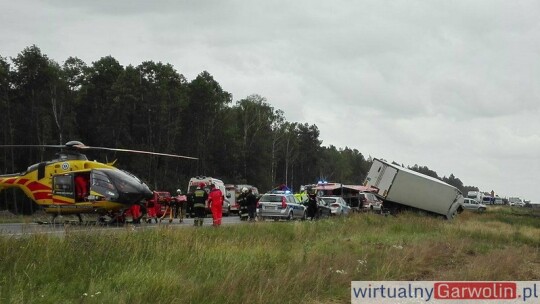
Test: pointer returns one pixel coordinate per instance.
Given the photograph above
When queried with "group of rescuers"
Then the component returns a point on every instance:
(196, 203)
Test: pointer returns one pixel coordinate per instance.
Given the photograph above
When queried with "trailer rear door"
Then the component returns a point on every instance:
(381, 176)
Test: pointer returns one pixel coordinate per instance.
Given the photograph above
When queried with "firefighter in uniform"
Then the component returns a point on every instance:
(242, 201)
(215, 201)
(199, 204)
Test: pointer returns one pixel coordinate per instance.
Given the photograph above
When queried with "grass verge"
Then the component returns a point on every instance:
(284, 262)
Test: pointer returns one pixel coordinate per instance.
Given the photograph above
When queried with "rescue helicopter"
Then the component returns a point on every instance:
(71, 184)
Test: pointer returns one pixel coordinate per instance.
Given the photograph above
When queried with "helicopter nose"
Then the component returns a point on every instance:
(147, 192)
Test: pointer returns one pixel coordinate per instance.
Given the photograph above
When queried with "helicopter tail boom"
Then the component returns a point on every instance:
(38, 192)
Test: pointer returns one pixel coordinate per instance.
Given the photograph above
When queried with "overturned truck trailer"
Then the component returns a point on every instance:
(402, 188)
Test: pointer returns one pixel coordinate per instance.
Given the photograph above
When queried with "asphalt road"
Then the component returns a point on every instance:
(60, 229)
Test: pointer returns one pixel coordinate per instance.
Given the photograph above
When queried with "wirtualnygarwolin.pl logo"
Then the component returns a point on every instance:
(392, 292)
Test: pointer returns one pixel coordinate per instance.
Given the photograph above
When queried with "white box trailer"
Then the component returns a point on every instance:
(402, 188)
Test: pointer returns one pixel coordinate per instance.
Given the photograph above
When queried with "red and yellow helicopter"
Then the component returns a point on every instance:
(72, 184)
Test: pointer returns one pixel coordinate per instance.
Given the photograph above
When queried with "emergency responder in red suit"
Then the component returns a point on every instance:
(215, 200)
(199, 204)
(151, 207)
(136, 213)
(81, 187)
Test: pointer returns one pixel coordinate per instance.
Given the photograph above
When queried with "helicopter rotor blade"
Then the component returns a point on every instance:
(135, 151)
(33, 146)
(79, 146)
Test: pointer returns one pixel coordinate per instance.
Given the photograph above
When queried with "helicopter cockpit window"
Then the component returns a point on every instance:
(63, 185)
(103, 185)
(124, 181)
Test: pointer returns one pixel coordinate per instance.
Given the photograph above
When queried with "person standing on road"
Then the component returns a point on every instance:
(189, 205)
(215, 202)
(242, 201)
(312, 206)
(175, 205)
(152, 209)
(251, 200)
(180, 207)
(199, 204)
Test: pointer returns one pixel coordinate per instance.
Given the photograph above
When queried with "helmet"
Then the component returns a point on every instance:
(245, 190)
(179, 191)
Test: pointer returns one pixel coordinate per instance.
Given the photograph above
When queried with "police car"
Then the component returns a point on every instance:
(280, 205)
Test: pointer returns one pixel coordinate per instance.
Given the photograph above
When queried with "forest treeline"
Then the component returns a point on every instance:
(153, 107)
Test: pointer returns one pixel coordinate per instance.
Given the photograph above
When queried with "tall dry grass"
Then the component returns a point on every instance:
(285, 262)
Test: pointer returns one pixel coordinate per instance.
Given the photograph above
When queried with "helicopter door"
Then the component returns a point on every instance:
(101, 184)
(82, 185)
(63, 185)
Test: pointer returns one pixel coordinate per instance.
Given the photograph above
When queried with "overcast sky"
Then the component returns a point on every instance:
(452, 85)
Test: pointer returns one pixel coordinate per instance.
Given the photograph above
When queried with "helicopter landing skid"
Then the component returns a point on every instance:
(76, 219)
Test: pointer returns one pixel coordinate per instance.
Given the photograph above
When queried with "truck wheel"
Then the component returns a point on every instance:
(453, 215)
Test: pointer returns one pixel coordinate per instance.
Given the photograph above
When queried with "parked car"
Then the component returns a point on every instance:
(515, 201)
(472, 204)
(280, 205)
(520, 204)
(370, 202)
(337, 205)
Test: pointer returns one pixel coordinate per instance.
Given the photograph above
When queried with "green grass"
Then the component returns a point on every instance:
(296, 262)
